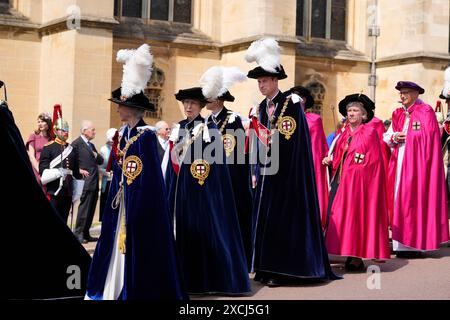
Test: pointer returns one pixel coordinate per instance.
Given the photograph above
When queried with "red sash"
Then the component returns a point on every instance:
(261, 131)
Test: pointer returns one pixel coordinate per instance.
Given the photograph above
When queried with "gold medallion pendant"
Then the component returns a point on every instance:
(229, 143)
(287, 126)
(132, 168)
(200, 170)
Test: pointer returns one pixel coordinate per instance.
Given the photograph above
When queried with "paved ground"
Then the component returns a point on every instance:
(427, 278)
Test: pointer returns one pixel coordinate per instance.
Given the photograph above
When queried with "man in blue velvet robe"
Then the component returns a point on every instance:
(135, 257)
(232, 132)
(288, 239)
(207, 227)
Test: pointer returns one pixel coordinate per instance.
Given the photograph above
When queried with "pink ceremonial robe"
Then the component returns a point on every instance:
(420, 208)
(319, 148)
(358, 224)
(378, 125)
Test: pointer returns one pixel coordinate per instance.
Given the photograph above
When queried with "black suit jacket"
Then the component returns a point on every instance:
(161, 150)
(87, 161)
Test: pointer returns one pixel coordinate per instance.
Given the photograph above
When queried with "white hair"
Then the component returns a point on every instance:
(160, 124)
(86, 124)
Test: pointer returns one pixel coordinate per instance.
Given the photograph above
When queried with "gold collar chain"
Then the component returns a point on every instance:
(272, 120)
(123, 152)
(222, 128)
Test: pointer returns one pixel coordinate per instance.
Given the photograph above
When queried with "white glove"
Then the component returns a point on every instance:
(49, 175)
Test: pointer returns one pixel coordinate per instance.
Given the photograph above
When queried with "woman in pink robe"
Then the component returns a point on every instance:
(357, 224)
(319, 148)
(416, 176)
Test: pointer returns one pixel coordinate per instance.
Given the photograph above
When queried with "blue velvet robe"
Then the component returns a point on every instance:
(39, 256)
(207, 228)
(240, 179)
(151, 264)
(288, 239)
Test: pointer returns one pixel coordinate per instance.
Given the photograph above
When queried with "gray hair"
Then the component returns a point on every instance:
(360, 105)
(85, 124)
(138, 113)
(160, 124)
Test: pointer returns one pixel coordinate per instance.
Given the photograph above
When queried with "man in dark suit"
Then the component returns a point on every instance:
(88, 159)
(163, 133)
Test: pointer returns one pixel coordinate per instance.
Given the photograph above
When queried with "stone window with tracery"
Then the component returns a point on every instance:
(154, 93)
(318, 92)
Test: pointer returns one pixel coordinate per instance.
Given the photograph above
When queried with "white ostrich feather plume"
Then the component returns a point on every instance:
(218, 80)
(137, 69)
(266, 53)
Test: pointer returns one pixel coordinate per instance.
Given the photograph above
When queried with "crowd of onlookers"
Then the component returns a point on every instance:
(88, 188)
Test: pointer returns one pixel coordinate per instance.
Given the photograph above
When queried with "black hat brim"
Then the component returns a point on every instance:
(367, 103)
(441, 96)
(191, 93)
(227, 97)
(138, 101)
(302, 91)
(259, 72)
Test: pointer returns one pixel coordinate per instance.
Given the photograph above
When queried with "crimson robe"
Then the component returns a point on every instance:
(319, 148)
(358, 222)
(418, 187)
(378, 125)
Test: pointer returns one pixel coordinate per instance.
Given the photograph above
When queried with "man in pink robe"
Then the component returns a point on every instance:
(319, 148)
(416, 185)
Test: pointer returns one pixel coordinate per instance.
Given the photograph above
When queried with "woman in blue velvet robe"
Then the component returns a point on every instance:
(207, 228)
(288, 239)
(135, 257)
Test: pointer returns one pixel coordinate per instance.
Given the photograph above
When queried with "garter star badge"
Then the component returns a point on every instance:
(287, 126)
(200, 170)
(229, 143)
(132, 168)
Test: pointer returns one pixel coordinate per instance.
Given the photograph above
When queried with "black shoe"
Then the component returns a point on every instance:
(351, 266)
(91, 239)
(408, 254)
(257, 277)
(272, 283)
